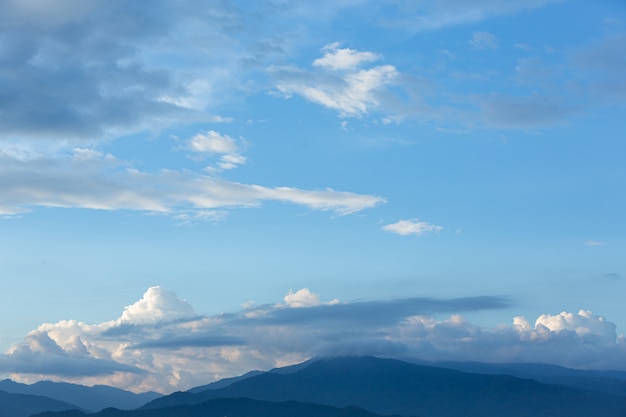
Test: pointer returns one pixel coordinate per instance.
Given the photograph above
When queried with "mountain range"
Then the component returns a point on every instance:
(24, 400)
(369, 386)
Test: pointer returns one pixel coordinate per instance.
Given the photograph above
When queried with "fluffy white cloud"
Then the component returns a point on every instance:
(213, 143)
(160, 343)
(157, 305)
(412, 227)
(336, 58)
(305, 298)
(302, 298)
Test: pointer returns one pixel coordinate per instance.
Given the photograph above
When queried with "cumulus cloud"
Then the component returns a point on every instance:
(157, 305)
(412, 227)
(179, 349)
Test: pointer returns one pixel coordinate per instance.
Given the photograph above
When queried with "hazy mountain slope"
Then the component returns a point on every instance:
(23, 405)
(222, 383)
(388, 386)
(93, 398)
(231, 407)
(611, 382)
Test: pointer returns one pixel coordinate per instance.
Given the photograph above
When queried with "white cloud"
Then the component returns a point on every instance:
(305, 298)
(484, 40)
(353, 92)
(89, 179)
(412, 227)
(302, 298)
(594, 243)
(157, 305)
(160, 343)
(336, 58)
(214, 143)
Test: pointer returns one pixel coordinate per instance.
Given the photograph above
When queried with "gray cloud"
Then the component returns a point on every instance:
(377, 313)
(531, 111)
(174, 341)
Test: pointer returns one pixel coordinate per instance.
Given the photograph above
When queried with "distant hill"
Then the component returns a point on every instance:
(222, 383)
(93, 398)
(231, 407)
(610, 382)
(23, 405)
(386, 386)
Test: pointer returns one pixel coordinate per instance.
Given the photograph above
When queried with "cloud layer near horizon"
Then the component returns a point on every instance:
(160, 342)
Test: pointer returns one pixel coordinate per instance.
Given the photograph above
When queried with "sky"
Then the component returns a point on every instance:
(193, 189)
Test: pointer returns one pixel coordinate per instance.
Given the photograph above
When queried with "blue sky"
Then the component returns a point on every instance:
(219, 182)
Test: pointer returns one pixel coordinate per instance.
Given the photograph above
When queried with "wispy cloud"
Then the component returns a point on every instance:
(594, 243)
(412, 227)
(92, 180)
(340, 84)
(417, 16)
(484, 40)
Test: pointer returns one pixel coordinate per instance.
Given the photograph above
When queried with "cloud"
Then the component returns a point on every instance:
(594, 243)
(157, 305)
(89, 179)
(412, 227)
(302, 298)
(526, 112)
(484, 40)
(336, 58)
(179, 349)
(418, 16)
(353, 92)
(213, 143)
(604, 60)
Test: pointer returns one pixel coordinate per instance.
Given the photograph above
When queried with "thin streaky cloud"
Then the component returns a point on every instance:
(412, 227)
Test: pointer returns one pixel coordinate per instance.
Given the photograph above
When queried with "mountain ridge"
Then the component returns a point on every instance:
(388, 386)
(93, 398)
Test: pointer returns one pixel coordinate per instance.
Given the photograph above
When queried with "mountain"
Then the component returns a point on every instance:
(231, 407)
(23, 405)
(610, 382)
(386, 386)
(222, 383)
(93, 398)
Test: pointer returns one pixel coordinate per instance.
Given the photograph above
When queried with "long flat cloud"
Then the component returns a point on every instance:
(87, 179)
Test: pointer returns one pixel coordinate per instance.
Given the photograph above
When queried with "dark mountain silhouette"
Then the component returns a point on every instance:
(93, 398)
(23, 405)
(231, 407)
(386, 386)
(610, 382)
